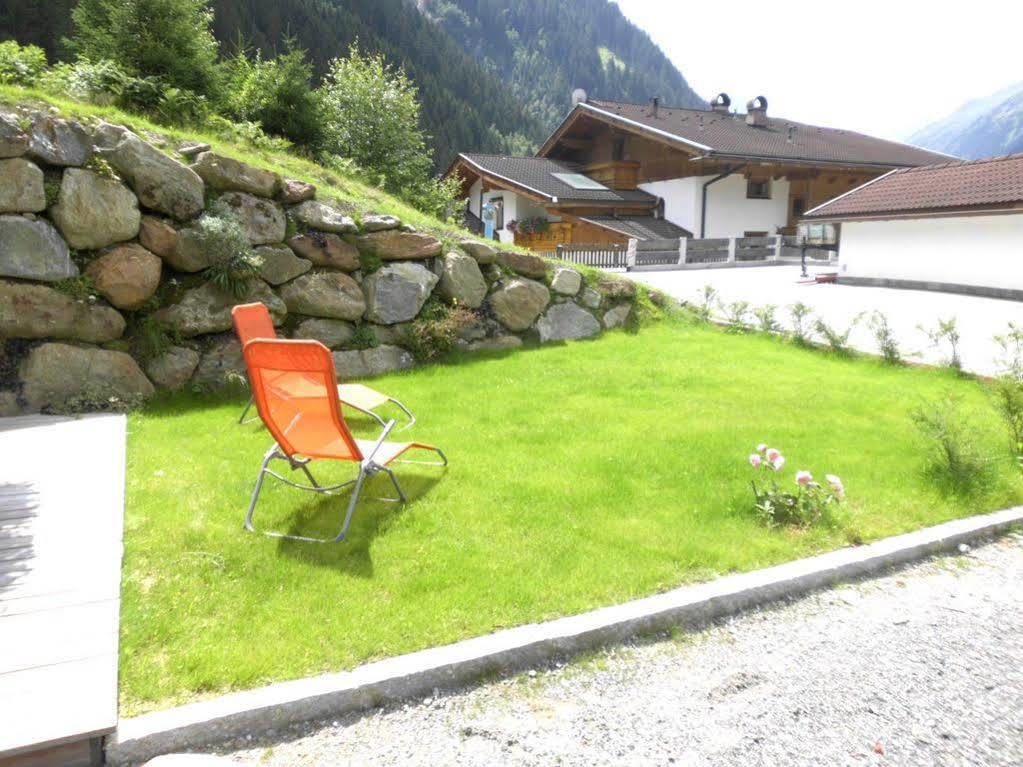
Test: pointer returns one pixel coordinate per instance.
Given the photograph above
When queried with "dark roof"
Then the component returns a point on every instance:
(728, 135)
(640, 227)
(535, 173)
(992, 183)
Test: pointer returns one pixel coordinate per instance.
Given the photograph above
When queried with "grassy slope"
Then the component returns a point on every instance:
(581, 475)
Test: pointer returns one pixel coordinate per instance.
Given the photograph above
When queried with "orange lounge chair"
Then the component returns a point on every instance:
(294, 385)
(254, 321)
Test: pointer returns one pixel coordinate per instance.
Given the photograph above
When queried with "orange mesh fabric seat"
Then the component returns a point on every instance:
(254, 321)
(294, 386)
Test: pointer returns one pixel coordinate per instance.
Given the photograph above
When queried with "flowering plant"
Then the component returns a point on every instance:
(802, 507)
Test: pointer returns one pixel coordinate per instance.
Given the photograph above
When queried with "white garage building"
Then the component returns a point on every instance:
(956, 227)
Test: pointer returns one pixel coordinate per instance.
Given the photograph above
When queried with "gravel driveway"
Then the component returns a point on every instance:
(921, 667)
(979, 318)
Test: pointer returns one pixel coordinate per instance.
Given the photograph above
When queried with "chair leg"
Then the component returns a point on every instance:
(394, 481)
(245, 412)
(351, 505)
(259, 486)
(309, 474)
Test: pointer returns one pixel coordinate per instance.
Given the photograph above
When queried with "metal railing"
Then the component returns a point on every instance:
(602, 256)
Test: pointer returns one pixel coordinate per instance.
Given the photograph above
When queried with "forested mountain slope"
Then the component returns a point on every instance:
(984, 127)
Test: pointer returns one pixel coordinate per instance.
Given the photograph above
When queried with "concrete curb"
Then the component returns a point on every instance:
(418, 674)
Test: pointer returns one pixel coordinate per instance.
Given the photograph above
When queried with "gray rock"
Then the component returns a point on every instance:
(590, 298)
(496, 344)
(567, 321)
(221, 365)
(56, 141)
(127, 276)
(37, 311)
(332, 333)
(173, 369)
(294, 191)
(207, 308)
(379, 223)
(566, 281)
(227, 175)
(325, 294)
(162, 183)
(33, 250)
(188, 254)
(316, 215)
(461, 280)
(13, 140)
(364, 363)
(280, 264)
(518, 303)
(616, 288)
(9, 405)
(326, 249)
(396, 245)
(397, 292)
(618, 316)
(394, 335)
(481, 251)
(21, 187)
(262, 220)
(192, 148)
(525, 264)
(93, 211)
(56, 375)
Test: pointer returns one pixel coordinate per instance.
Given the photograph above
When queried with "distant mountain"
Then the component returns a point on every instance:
(984, 127)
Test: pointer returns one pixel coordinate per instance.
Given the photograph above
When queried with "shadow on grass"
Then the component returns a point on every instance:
(323, 516)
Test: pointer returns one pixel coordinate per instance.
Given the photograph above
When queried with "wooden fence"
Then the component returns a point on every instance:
(679, 253)
(602, 256)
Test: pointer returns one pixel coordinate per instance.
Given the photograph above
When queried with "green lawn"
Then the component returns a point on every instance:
(580, 476)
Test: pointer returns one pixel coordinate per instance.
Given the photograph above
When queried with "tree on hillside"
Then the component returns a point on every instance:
(169, 39)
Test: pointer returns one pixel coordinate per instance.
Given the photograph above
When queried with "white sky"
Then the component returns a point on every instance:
(884, 67)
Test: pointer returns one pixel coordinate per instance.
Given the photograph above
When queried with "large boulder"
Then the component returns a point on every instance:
(294, 191)
(397, 292)
(566, 281)
(461, 280)
(222, 364)
(56, 376)
(261, 220)
(127, 276)
(280, 264)
(590, 298)
(173, 369)
(13, 140)
(567, 321)
(33, 250)
(618, 316)
(207, 308)
(481, 251)
(374, 222)
(397, 245)
(316, 215)
(37, 311)
(162, 183)
(227, 175)
(364, 363)
(157, 236)
(56, 141)
(332, 333)
(325, 294)
(326, 249)
(518, 302)
(21, 187)
(496, 344)
(93, 211)
(189, 251)
(525, 264)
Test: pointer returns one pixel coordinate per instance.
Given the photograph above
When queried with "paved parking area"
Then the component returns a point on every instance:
(979, 318)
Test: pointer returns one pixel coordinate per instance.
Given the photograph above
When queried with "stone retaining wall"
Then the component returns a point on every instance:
(101, 202)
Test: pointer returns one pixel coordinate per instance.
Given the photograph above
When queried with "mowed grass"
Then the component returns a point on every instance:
(581, 475)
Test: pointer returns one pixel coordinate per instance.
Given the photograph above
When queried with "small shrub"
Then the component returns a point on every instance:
(1008, 394)
(51, 189)
(801, 508)
(21, 64)
(945, 335)
(737, 316)
(800, 315)
(837, 340)
(364, 337)
(887, 345)
(232, 262)
(433, 333)
(765, 317)
(181, 107)
(953, 456)
(150, 338)
(369, 262)
(1011, 344)
(79, 288)
(707, 301)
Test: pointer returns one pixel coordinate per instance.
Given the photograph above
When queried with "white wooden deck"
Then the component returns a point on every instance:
(61, 519)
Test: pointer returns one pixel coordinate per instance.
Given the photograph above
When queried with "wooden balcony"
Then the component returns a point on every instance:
(557, 233)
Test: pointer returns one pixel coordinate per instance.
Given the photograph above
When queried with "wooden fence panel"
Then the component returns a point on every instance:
(602, 256)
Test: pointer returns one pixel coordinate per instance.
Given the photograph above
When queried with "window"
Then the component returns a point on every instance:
(758, 189)
(618, 149)
(798, 207)
(579, 181)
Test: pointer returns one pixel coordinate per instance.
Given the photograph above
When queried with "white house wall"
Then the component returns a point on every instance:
(729, 212)
(968, 250)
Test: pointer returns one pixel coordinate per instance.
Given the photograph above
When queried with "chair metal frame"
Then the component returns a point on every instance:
(379, 419)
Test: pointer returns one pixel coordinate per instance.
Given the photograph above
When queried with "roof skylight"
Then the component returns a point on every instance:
(579, 181)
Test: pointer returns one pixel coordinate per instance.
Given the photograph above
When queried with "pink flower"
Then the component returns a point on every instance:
(755, 460)
(803, 478)
(761, 448)
(836, 486)
(773, 454)
(778, 462)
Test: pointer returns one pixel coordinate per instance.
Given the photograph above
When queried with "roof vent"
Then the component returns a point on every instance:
(655, 105)
(579, 97)
(721, 102)
(756, 111)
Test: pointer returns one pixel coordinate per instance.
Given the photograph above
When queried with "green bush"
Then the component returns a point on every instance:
(81, 288)
(364, 337)
(21, 64)
(233, 263)
(954, 459)
(434, 332)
